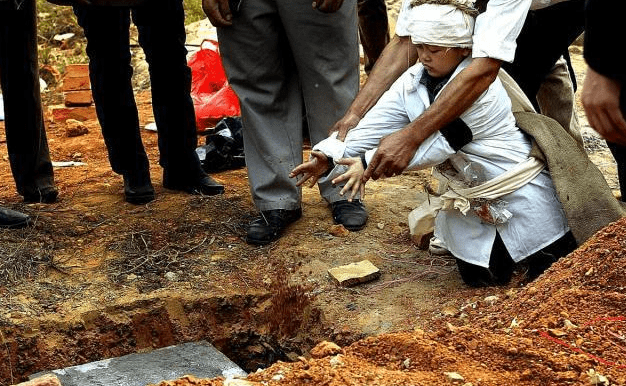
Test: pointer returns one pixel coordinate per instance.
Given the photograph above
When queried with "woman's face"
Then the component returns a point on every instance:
(440, 61)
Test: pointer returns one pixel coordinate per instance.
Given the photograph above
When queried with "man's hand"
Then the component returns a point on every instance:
(218, 12)
(327, 6)
(311, 170)
(345, 124)
(353, 176)
(601, 100)
(393, 155)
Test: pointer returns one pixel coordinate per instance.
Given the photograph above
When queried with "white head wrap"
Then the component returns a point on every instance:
(440, 25)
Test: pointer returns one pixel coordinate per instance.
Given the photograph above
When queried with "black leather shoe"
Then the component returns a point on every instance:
(13, 219)
(352, 215)
(205, 185)
(270, 225)
(138, 189)
(46, 196)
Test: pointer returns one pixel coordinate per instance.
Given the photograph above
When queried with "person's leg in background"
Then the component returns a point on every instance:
(25, 130)
(373, 29)
(556, 99)
(110, 72)
(161, 26)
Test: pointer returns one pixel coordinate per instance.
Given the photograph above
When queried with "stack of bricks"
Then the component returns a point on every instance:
(78, 100)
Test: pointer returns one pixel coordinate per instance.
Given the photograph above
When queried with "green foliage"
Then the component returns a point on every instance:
(193, 11)
(54, 20)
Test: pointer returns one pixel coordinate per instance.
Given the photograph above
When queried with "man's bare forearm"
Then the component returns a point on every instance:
(396, 150)
(397, 56)
(458, 95)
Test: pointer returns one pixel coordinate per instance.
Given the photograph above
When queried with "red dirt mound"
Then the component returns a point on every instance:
(566, 328)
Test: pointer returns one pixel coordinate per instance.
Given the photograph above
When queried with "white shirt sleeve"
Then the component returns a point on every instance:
(433, 151)
(497, 29)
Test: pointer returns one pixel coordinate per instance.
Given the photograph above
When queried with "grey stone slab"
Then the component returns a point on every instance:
(199, 359)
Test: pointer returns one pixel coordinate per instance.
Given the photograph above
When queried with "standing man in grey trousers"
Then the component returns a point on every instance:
(284, 57)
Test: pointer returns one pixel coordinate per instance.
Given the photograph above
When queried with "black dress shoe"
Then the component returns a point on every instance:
(138, 189)
(13, 219)
(46, 196)
(352, 215)
(206, 185)
(270, 225)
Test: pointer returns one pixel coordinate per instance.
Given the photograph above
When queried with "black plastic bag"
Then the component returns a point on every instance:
(224, 148)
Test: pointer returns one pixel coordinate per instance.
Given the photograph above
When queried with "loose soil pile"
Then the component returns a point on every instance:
(567, 328)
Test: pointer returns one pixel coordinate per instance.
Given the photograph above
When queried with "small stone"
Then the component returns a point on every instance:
(556, 332)
(380, 225)
(355, 273)
(338, 230)
(171, 276)
(589, 272)
(454, 377)
(324, 349)
(450, 311)
(569, 325)
(491, 300)
(336, 361)
(131, 277)
(239, 382)
(407, 363)
(45, 380)
(75, 128)
(597, 379)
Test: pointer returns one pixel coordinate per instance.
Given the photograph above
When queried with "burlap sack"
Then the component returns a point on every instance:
(587, 199)
(585, 195)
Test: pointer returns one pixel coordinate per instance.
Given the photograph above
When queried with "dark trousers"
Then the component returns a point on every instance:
(162, 36)
(501, 265)
(373, 29)
(546, 35)
(19, 76)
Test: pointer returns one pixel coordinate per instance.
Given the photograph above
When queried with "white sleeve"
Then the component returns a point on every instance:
(497, 29)
(433, 151)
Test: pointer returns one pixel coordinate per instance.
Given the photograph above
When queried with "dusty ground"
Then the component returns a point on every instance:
(97, 277)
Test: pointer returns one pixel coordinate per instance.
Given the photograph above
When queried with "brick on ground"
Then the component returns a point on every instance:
(355, 273)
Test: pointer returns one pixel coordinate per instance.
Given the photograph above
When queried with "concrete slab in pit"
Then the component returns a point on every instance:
(199, 359)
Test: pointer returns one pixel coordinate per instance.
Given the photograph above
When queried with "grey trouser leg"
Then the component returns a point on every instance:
(277, 55)
(556, 99)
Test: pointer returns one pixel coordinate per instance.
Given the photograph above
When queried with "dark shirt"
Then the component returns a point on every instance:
(457, 133)
(604, 32)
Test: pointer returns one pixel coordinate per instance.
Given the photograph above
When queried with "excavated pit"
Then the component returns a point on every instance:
(251, 330)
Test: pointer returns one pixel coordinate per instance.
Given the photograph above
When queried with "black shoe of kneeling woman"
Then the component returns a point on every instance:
(12, 219)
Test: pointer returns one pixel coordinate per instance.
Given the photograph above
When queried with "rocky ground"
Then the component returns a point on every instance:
(96, 277)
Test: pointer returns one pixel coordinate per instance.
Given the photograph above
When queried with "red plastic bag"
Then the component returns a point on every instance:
(212, 96)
